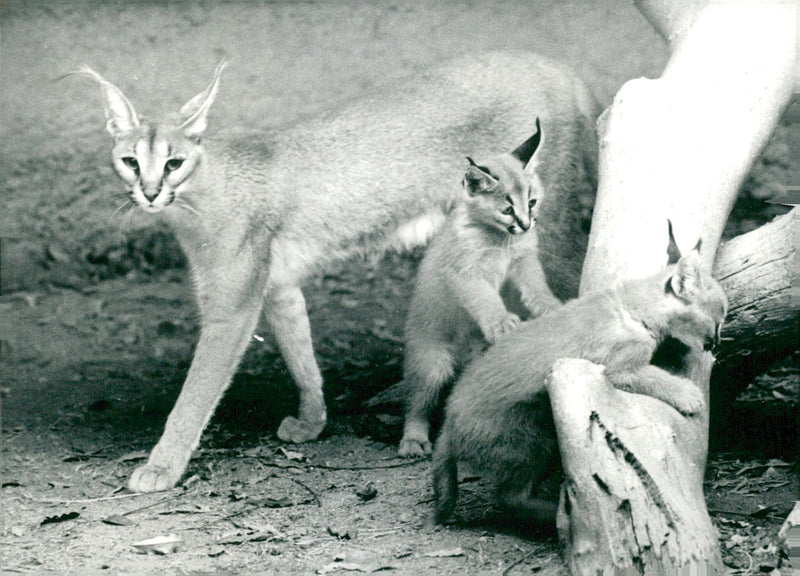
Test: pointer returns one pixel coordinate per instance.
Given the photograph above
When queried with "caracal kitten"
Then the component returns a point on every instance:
(258, 213)
(457, 308)
(498, 416)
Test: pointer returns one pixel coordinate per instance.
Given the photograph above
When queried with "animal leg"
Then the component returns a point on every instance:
(286, 314)
(230, 314)
(428, 369)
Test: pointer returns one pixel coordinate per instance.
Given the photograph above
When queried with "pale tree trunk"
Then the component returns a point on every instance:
(675, 148)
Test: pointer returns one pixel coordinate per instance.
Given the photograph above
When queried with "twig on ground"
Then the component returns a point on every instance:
(101, 499)
(309, 490)
(146, 506)
(309, 465)
(519, 561)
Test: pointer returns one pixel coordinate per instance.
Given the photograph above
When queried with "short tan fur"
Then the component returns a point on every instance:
(457, 308)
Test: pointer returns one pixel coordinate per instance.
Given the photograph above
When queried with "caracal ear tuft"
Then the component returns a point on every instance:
(120, 114)
(527, 149)
(478, 179)
(673, 252)
(195, 111)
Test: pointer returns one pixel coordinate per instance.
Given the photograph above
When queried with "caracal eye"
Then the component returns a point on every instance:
(532, 203)
(508, 211)
(173, 164)
(131, 163)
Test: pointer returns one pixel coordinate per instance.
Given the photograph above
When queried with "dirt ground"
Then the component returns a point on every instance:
(98, 323)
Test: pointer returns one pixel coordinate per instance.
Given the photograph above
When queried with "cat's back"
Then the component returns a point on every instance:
(419, 129)
(515, 368)
(357, 174)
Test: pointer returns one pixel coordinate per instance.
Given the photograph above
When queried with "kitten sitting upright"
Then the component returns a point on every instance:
(456, 308)
(498, 415)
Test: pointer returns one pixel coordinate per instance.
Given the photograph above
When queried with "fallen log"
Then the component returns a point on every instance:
(756, 270)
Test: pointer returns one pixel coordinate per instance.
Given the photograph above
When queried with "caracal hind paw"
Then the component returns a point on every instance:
(414, 448)
(295, 430)
(151, 478)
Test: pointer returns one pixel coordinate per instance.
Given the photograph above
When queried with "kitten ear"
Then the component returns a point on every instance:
(477, 179)
(120, 114)
(687, 279)
(526, 150)
(195, 111)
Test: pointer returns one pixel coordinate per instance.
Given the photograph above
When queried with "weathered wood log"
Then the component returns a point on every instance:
(630, 497)
(756, 270)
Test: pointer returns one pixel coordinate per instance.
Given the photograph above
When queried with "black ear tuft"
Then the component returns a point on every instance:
(526, 150)
(673, 252)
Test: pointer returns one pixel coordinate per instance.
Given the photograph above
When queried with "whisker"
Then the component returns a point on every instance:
(188, 206)
(126, 219)
(122, 206)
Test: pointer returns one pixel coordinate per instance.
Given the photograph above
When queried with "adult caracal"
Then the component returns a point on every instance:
(257, 214)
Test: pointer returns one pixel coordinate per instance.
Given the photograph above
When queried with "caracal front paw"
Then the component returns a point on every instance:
(541, 304)
(153, 478)
(414, 446)
(506, 324)
(682, 394)
(297, 431)
(689, 400)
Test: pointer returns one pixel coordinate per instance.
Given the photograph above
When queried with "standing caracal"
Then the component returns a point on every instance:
(257, 214)
(457, 308)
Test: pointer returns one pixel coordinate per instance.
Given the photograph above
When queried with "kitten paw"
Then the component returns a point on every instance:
(152, 478)
(414, 448)
(508, 323)
(690, 402)
(541, 305)
(295, 430)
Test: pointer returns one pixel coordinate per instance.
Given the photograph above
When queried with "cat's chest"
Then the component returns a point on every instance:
(494, 263)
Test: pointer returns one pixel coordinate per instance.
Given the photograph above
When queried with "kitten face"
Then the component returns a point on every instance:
(503, 191)
(702, 304)
(501, 195)
(154, 162)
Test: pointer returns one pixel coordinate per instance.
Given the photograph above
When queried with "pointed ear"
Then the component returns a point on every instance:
(120, 115)
(526, 150)
(686, 280)
(477, 179)
(195, 111)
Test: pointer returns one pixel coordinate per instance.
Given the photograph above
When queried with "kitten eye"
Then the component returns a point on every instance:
(173, 164)
(131, 163)
(508, 211)
(532, 203)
